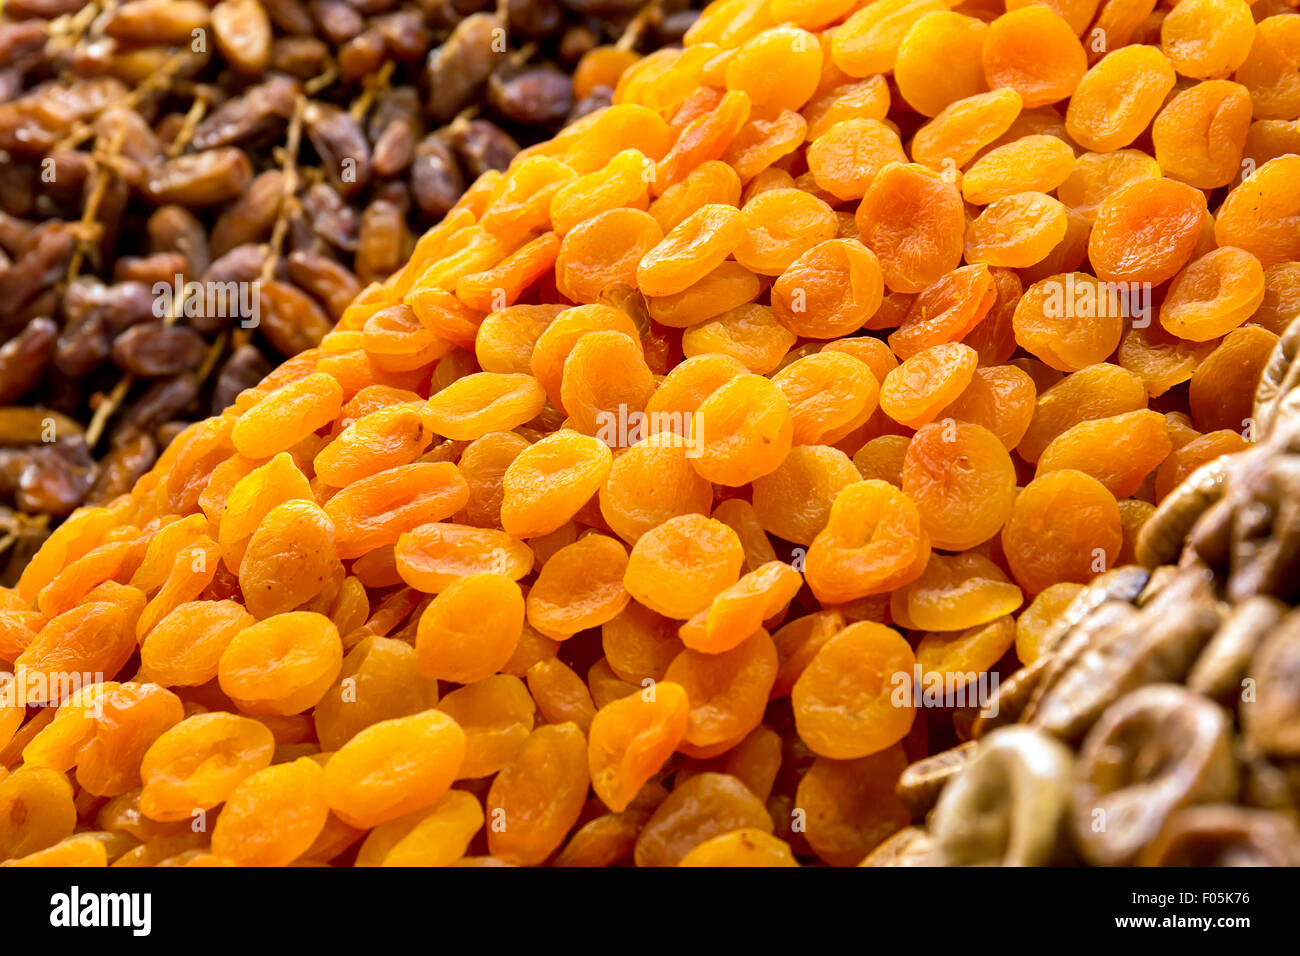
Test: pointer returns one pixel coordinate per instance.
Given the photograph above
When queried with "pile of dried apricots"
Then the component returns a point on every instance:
(849, 343)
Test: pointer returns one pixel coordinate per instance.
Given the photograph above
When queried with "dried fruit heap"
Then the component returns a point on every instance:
(1158, 725)
(290, 144)
(605, 528)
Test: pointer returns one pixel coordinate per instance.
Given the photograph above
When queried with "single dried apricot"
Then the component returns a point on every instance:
(550, 481)
(376, 511)
(651, 482)
(953, 138)
(537, 797)
(913, 220)
(1064, 526)
(470, 630)
(497, 716)
(956, 659)
(915, 392)
(631, 738)
(1159, 358)
(1073, 320)
(1036, 53)
(742, 431)
(581, 586)
(727, 691)
(393, 768)
(873, 542)
(678, 567)
(830, 290)
(1017, 231)
(794, 502)
(274, 816)
(1200, 134)
(1146, 231)
(380, 680)
(829, 393)
(1213, 295)
(1119, 451)
(1036, 621)
(474, 405)
(605, 380)
(433, 557)
(285, 417)
(940, 37)
(1118, 98)
(846, 158)
(604, 250)
(851, 806)
(1269, 70)
(741, 609)
(846, 702)
(962, 481)
(1206, 39)
(1222, 389)
(778, 226)
(750, 333)
(744, 847)
(282, 665)
(1259, 215)
(197, 763)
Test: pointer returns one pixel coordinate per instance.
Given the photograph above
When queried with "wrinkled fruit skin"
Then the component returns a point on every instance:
(637, 516)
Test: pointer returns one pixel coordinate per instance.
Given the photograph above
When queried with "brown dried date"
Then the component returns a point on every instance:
(158, 21)
(338, 21)
(250, 217)
(463, 63)
(329, 282)
(25, 358)
(154, 350)
(245, 368)
(384, 241)
(163, 401)
(341, 145)
(436, 180)
(122, 467)
(362, 56)
(481, 146)
(200, 179)
(290, 320)
(151, 269)
(300, 57)
(176, 229)
(243, 34)
(531, 96)
(290, 16)
(259, 113)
